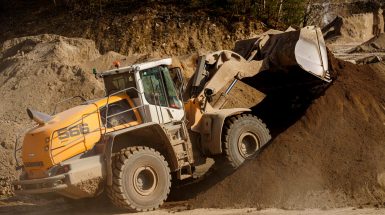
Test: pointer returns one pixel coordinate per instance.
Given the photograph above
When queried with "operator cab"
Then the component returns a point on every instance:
(153, 88)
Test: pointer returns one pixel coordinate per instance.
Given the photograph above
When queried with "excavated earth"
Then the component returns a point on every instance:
(38, 72)
(357, 38)
(376, 44)
(333, 156)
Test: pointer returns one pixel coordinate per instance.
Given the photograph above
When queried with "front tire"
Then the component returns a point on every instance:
(243, 136)
(141, 179)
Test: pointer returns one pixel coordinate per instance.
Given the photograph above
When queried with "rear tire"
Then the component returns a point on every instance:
(141, 179)
(243, 136)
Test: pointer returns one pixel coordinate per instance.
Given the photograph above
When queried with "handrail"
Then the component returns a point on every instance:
(68, 126)
(131, 109)
(17, 148)
(106, 118)
(67, 99)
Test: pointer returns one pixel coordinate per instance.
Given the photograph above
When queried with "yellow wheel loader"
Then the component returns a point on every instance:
(151, 124)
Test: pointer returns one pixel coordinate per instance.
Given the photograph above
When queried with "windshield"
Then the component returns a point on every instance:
(114, 83)
(159, 88)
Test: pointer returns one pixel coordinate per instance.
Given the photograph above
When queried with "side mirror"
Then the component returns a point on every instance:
(177, 77)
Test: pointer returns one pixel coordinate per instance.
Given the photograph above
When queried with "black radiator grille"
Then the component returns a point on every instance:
(33, 164)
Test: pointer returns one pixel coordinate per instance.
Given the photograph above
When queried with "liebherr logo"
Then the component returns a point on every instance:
(73, 131)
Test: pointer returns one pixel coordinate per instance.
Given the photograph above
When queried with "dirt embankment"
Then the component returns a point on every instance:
(357, 28)
(37, 72)
(161, 28)
(358, 38)
(332, 157)
(322, 12)
(374, 45)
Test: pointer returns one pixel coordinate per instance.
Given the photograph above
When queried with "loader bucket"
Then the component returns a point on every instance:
(310, 52)
(280, 50)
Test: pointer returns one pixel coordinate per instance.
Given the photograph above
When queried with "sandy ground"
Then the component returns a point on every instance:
(180, 209)
(357, 57)
(351, 211)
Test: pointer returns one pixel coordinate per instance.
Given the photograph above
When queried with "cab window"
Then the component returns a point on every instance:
(172, 95)
(117, 82)
(115, 118)
(154, 89)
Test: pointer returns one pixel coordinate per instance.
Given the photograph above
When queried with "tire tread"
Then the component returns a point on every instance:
(116, 192)
(228, 160)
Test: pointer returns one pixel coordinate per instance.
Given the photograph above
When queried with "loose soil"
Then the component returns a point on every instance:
(37, 72)
(376, 44)
(355, 28)
(145, 28)
(331, 157)
(358, 38)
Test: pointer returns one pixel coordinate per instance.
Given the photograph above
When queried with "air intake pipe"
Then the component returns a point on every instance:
(39, 117)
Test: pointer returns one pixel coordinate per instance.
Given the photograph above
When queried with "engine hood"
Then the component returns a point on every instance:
(63, 136)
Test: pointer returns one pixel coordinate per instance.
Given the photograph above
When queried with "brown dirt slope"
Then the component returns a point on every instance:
(156, 27)
(355, 28)
(332, 157)
(376, 44)
(37, 72)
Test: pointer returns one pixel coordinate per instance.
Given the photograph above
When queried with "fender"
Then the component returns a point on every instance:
(147, 134)
(211, 126)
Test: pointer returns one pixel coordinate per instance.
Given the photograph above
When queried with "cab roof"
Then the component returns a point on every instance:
(137, 67)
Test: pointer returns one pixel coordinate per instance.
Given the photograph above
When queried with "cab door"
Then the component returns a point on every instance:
(160, 95)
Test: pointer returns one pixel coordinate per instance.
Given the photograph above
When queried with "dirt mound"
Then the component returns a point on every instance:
(354, 29)
(322, 12)
(376, 44)
(37, 72)
(159, 27)
(332, 157)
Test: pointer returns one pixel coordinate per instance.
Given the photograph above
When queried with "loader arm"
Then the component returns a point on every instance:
(273, 51)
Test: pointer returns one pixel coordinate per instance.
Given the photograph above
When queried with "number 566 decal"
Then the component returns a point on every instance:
(73, 131)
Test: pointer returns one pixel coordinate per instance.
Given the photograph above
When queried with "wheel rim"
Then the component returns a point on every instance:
(145, 180)
(248, 144)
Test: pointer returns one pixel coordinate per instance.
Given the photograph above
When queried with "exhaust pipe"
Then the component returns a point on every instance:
(39, 117)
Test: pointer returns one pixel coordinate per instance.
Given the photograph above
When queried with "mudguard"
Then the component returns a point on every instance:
(151, 134)
(211, 126)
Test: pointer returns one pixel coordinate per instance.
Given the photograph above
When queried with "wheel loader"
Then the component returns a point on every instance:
(152, 126)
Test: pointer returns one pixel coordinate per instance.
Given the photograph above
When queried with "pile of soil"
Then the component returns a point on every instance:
(332, 157)
(376, 44)
(161, 28)
(357, 28)
(37, 72)
(322, 12)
